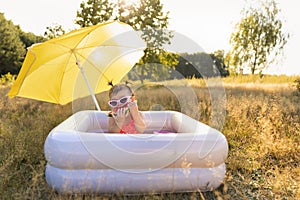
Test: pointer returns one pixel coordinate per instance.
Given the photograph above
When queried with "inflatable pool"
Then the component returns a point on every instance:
(175, 154)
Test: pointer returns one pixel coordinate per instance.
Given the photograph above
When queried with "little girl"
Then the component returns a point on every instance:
(125, 116)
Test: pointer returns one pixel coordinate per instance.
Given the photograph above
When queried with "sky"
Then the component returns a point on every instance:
(208, 24)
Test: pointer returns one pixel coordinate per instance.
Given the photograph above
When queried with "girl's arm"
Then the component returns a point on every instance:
(139, 123)
(112, 126)
(138, 118)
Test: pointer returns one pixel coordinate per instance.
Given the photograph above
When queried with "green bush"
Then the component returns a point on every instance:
(7, 79)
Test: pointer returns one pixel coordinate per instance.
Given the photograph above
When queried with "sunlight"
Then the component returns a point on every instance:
(127, 2)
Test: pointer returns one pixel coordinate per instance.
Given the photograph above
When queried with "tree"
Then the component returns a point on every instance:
(201, 65)
(218, 59)
(29, 39)
(148, 17)
(12, 50)
(94, 12)
(258, 38)
(185, 68)
(54, 31)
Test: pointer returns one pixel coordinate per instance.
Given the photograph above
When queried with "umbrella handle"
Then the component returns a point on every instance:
(88, 85)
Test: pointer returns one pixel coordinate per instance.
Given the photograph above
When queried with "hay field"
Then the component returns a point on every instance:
(262, 126)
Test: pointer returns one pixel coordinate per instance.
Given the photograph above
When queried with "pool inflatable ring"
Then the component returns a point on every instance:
(175, 154)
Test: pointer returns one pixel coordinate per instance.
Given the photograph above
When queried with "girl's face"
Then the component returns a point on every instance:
(119, 95)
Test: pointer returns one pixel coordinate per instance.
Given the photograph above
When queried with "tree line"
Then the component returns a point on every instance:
(13, 44)
(254, 40)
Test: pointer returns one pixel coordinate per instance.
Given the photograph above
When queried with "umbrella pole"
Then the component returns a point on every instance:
(88, 85)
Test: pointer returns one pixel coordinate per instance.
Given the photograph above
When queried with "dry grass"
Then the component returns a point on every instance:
(261, 126)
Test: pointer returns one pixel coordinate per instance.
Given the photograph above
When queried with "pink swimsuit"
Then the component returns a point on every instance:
(129, 128)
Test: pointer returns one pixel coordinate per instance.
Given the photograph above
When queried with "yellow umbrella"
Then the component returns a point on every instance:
(78, 63)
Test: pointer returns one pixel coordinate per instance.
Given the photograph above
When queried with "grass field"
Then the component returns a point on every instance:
(262, 126)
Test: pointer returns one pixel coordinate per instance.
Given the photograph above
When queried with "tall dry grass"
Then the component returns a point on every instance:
(261, 126)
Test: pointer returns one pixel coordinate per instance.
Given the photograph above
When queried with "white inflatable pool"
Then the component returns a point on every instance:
(175, 154)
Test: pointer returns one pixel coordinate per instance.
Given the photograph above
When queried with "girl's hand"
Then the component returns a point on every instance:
(120, 116)
(133, 106)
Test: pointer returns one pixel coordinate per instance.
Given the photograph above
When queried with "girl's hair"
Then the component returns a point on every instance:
(117, 88)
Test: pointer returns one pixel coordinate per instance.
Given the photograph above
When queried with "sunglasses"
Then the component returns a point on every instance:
(119, 102)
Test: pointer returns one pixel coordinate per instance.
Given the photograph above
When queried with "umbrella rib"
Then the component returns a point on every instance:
(75, 47)
(74, 53)
(27, 71)
(97, 69)
(87, 35)
(87, 60)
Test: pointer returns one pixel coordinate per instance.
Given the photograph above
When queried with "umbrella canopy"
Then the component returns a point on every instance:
(78, 63)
